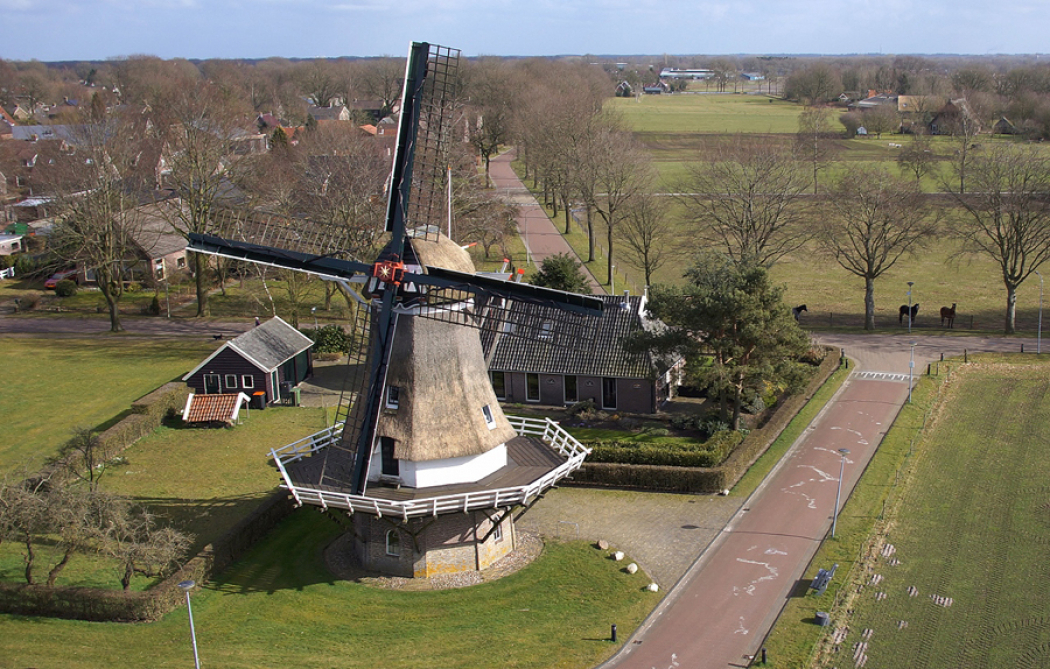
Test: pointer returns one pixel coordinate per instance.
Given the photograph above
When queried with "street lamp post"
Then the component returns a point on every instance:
(186, 587)
(1039, 329)
(843, 452)
(911, 369)
(910, 284)
(313, 310)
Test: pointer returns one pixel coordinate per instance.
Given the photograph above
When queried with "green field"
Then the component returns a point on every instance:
(53, 385)
(963, 568)
(280, 607)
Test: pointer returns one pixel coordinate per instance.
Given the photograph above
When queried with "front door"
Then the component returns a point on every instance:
(211, 384)
(608, 393)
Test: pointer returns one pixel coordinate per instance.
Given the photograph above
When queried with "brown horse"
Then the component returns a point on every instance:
(904, 312)
(948, 315)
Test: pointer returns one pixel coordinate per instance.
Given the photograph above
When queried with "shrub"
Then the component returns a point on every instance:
(154, 306)
(27, 302)
(329, 339)
(66, 288)
(586, 406)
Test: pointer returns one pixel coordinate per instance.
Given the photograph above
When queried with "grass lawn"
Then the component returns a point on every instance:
(280, 607)
(712, 114)
(982, 541)
(54, 385)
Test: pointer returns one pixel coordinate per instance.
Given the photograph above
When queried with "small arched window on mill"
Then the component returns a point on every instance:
(393, 543)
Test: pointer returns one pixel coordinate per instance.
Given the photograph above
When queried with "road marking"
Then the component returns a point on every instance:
(882, 376)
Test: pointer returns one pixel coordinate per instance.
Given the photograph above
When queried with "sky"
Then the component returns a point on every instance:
(52, 30)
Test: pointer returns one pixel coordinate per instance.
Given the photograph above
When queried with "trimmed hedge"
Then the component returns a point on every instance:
(118, 606)
(651, 475)
(707, 454)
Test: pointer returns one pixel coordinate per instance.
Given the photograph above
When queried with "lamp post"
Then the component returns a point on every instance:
(910, 284)
(186, 586)
(612, 281)
(843, 452)
(911, 369)
(313, 310)
(1039, 329)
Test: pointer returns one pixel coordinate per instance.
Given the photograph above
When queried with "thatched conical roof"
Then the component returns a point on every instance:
(439, 370)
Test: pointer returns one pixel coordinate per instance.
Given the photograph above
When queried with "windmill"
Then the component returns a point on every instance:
(422, 457)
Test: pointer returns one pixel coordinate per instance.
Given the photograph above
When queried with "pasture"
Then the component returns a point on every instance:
(958, 575)
(280, 606)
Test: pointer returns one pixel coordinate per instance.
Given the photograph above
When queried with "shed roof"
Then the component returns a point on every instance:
(213, 408)
(266, 346)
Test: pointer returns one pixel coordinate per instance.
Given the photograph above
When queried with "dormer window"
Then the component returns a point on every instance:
(393, 397)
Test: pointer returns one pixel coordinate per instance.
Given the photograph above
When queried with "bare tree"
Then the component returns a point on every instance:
(746, 198)
(814, 128)
(648, 238)
(382, 79)
(917, 157)
(131, 536)
(1007, 214)
(489, 112)
(204, 137)
(98, 185)
(621, 174)
(871, 220)
(85, 457)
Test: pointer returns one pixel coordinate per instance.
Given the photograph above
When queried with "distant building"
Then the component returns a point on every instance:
(672, 73)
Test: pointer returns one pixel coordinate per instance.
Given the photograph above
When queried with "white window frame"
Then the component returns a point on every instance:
(226, 381)
(497, 534)
(393, 397)
(247, 381)
(393, 548)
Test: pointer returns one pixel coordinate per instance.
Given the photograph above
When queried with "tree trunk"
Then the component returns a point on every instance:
(1011, 308)
(200, 266)
(29, 557)
(52, 575)
(869, 303)
(488, 179)
(112, 305)
(590, 235)
(568, 214)
(609, 261)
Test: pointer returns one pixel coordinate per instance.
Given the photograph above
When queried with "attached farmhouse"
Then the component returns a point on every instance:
(271, 358)
(535, 371)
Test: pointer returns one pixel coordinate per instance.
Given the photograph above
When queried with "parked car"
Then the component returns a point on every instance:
(53, 280)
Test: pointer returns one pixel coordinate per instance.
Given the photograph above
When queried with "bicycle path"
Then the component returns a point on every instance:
(541, 238)
(720, 611)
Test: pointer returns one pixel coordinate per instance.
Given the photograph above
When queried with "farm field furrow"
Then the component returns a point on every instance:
(962, 579)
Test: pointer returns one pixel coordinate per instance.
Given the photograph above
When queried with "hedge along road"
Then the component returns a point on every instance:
(717, 615)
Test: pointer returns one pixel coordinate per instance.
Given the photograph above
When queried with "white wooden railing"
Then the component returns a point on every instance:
(545, 429)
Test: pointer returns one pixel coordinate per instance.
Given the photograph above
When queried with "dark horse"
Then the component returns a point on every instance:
(948, 315)
(795, 311)
(904, 312)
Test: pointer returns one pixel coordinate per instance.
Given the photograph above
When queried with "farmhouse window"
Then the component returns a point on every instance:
(499, 384)
(608, 393)
(532, 387)
(211, 384)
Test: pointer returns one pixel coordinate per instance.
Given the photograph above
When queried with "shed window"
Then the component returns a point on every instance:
(532, 387)
(393, 543)
(247, 381)
(231, 381)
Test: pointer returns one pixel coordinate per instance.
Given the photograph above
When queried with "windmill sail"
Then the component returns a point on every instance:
(400, 283)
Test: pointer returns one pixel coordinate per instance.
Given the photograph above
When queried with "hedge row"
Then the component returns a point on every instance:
(701, 479)
(118, 606)
(707, 454)
(100, 605)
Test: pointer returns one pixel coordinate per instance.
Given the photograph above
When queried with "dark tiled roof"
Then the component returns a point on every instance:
(271, 344)
(518, 354)
(213, 408)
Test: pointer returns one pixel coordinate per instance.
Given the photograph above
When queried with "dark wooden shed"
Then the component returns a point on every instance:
(272, 357)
